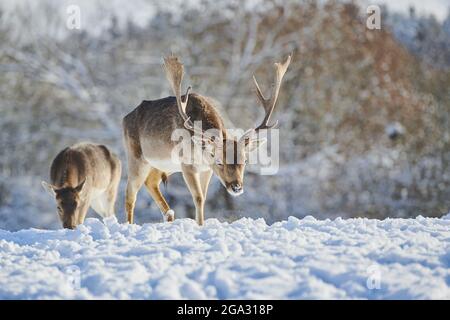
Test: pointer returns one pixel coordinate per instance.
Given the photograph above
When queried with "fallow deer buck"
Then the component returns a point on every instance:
(148, 138)
(84, 175)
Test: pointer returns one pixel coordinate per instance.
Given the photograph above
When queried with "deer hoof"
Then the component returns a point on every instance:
(169, 216)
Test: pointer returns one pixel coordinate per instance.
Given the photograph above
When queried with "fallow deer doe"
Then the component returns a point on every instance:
(82, 176)
(148, 140)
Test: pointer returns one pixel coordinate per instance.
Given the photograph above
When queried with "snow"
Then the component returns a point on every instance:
(246, 259)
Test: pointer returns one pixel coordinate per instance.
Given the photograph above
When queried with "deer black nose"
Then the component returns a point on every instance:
(68, 226)
(236, 187)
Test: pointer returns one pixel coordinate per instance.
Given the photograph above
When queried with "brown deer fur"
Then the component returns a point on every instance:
(81, 176)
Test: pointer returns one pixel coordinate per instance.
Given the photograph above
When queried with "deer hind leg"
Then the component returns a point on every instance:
(152, 183)
(137, 173)
(192, 180)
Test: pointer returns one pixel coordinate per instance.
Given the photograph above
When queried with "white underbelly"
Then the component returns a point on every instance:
(170, 166)
(165, 165)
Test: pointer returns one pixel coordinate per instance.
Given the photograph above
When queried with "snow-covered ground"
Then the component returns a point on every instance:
(293, 259)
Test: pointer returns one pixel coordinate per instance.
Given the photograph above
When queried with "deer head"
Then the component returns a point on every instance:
(69, 202)
(226, 155)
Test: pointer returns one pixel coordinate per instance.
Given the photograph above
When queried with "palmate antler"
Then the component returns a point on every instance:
(174, 72)
(269, 103)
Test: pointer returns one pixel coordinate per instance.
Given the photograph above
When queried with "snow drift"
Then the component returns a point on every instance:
(293, 259)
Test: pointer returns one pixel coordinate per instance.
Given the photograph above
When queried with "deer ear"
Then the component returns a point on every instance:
(49, 188)
(253, 144)
(79, 188)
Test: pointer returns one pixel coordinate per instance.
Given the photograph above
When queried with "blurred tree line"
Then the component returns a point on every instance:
(364, 114)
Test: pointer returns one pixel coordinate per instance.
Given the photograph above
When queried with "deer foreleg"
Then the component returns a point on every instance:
(205, 178)
(192, 180)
